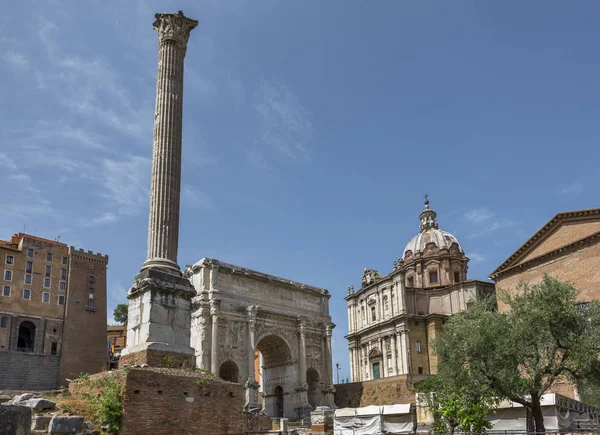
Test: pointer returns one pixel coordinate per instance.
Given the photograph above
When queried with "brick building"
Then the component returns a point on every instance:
(567, 248)
(52, 312)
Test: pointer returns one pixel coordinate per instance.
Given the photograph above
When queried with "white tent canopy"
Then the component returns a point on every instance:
(370, 420)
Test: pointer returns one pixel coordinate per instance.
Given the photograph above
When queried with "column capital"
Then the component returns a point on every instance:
(174, 27)
(251, 311)
(329, 329)
(215, 305)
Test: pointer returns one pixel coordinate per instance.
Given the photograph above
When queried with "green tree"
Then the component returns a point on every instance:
(120, 313)
(544, 338)
(463, 407)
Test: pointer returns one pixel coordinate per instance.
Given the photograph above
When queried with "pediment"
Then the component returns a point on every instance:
(562, 230)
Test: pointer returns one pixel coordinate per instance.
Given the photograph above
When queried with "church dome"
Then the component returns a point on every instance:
(430, 233)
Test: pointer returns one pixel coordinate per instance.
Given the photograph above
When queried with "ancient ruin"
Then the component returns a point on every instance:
(238, 312)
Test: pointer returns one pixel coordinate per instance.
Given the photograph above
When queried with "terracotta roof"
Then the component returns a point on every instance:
(540, 234)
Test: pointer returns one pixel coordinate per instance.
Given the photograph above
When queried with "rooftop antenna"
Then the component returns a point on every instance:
(24, 228)
(58, 238)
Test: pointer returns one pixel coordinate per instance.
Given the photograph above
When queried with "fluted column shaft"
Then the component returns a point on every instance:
(163, 226)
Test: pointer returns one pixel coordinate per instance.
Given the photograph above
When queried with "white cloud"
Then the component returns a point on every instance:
(195, 198)
(476, 258)
(45, 29)
(6, 162)
(482, 222)
(286, 122)
(478, 215)
(572, 189)
(126, 183)
(104, 218)
(17, 61)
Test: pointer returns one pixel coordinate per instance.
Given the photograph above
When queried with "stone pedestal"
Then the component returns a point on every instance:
(329, 394)
(251, 391)
(159, 321)
(425, 418)
(302, 408)
(321, 420)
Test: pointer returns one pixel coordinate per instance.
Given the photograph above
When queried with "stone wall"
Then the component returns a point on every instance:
(176, 401)
(23, 371)
(386, 391)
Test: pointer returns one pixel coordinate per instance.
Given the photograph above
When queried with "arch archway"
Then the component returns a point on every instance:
(278, 393)
(313, 380)
(277, 375)
(26, 337)
(229, 371)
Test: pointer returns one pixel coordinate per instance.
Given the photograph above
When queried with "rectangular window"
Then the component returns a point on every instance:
(62, 285)
(27, 294)
(92, 279)
(6, 290)
(47, 282)
(8, 275)
(433, 277)
(48, 270)
(63, 274)
(91, 291)
(29, 267)
(373, 315)
(410, 282)
(420, 370)
(90, 303)
(30, 252)
(46, 298)
(48, 256)
(4, 322)
(61, 300)
(28, 279)
(53, 348)
(10, 259)
(418, 346)
(64, 260)
(456, 276)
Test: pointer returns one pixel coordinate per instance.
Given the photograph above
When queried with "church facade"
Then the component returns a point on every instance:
(393, 319)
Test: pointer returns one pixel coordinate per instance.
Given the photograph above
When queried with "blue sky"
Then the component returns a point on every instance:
(312, 130)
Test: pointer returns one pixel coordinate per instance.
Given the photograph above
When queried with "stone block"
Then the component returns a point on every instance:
(63, 425)
(15, 420)
(40, 422)
(39, 404)
(22, 398)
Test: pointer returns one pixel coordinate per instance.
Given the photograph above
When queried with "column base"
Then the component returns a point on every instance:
(159, 355)
(329, 394)
(159, 321)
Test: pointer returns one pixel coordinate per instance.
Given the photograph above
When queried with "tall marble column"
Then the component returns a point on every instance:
(302, 408)
(215, 304)
(251, 387)
(163, 228)
(160, 298)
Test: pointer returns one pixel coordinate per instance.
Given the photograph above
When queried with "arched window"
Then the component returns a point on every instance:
(229, 372)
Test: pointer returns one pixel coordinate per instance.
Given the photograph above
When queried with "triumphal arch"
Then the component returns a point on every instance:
(269, 333)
